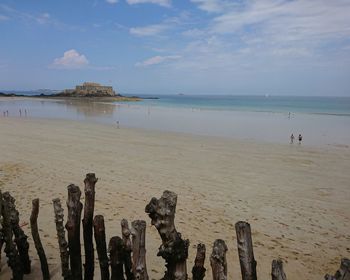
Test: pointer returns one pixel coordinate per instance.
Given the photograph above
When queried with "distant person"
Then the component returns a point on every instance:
(292, 138)
(117, 124)
(25, 112)
(20, 112)
(300, 138)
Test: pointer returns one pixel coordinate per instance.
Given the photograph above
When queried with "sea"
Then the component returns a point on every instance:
(267, 118)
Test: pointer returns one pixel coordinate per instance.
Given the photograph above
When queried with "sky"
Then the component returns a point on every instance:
(242, 47)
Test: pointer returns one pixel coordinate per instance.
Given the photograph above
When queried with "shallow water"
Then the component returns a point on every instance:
(317, 128)
(281, 104)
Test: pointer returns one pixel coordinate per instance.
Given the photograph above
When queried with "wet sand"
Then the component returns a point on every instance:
(271, 127)
(296, 198)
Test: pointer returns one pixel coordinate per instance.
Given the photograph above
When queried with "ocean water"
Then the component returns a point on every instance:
(321, 120)
(281, 104)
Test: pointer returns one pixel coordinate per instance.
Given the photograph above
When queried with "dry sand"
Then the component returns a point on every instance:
(296, 198)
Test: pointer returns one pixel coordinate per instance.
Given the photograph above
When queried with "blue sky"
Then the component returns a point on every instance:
(278, 47)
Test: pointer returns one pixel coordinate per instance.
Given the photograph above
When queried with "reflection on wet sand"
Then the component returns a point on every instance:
(57, 108)
(317, 129)
(89, 108)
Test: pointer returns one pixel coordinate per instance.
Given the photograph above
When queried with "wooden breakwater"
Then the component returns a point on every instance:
(125, 256)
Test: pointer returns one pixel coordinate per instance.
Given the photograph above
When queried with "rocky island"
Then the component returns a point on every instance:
(88, 90)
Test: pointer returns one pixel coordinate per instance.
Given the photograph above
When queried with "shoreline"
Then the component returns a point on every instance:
(295, 198)
(268, 127)
(75, 98)
(111, 100)
(160, 132)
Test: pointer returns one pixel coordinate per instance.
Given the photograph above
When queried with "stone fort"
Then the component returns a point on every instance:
(91, 89)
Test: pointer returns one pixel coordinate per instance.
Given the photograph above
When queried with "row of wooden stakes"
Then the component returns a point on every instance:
(127, 254)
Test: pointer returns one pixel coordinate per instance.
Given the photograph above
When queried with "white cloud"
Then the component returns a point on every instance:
(287, 51)
(150, 30)
(164, 3)
(3, 18)
(212, 6)
(71, 59)
(28, 18)
(157, 29)
(288, 20)
(249, 35)
(43, 18)
(195, 32)
(112, 1)
(157, 60)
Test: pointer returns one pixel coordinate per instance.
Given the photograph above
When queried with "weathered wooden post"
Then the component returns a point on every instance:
(174, 250)
(14, 261)
(73, 227)
(127, 250)
(277, 271)
(138, 232)
(62, 242)
(20, 236)
(198, 270)
(90, 181)
(343, 273)
(1, 229)
(116, 255)
(245, 251)
(100, 238)
(37, 242)
(218, 260)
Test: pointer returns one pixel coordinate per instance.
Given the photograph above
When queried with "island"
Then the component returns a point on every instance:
(88, 90)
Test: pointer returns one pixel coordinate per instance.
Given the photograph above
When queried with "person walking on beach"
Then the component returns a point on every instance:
(300, 138)
(292, 138)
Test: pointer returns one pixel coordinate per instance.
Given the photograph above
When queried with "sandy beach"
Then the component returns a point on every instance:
(296, 198)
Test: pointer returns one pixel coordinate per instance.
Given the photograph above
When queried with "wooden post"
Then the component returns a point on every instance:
(100, 238)
(1, 229)
(329, 277)
(116, 255)
(245, 251)
(277, 272)
(198, 270)
(73, 227)
(218, 260)
(14, 261)
(343, 273)
(174, 250)
(36, 237)
(61, 235)
(138, 232)
(89, 182)
(127, 250)
(20, 236)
